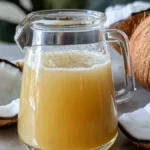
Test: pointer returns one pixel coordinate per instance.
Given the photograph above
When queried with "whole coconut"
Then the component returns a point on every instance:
(140, 53)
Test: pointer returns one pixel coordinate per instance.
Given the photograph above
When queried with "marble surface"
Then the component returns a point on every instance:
(8, 135)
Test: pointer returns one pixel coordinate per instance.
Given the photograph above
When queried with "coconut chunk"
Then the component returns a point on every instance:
(10, 85)
(136, 126)
(9, 110)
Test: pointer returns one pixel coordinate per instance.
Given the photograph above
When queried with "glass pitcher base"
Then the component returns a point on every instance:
(104, 147)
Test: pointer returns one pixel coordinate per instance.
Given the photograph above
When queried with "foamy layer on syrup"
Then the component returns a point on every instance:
(69, 60)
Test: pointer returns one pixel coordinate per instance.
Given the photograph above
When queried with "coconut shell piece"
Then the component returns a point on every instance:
(135, 126)
(140, 53)
(20, 64)
(7, 122)
(138, 143)
(129, 25)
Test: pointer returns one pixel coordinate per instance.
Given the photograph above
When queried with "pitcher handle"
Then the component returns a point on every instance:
(120, 38)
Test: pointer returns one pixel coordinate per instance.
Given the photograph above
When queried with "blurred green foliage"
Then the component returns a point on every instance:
(7, 29)
(60, 4)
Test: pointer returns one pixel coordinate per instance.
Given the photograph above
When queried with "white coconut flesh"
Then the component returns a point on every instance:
(10, 84)
(136, 125)
(120, 12)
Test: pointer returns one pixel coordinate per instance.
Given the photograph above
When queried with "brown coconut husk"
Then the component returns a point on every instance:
(143, 145)
(140, 53)
(7, 122)
(129, 25)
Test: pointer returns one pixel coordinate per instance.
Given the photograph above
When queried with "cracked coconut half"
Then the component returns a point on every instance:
(10, 84)
(136, 126)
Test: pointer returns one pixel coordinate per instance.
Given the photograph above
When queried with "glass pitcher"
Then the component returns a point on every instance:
(68, 97)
